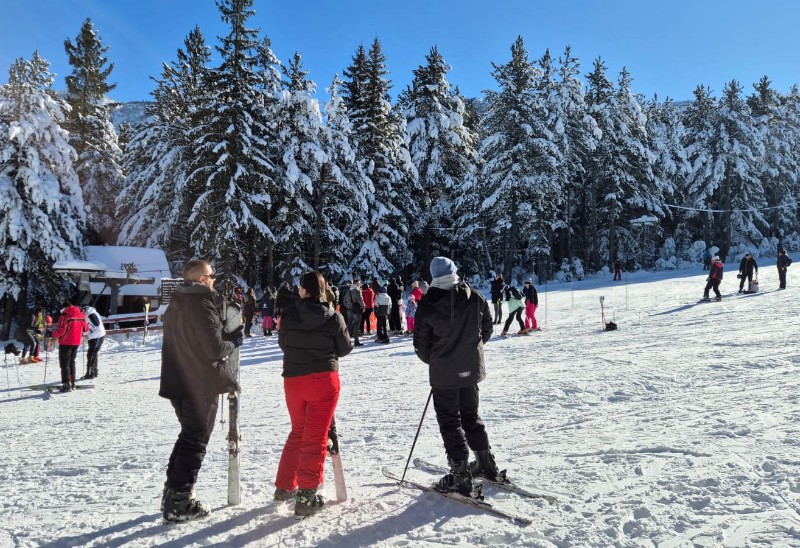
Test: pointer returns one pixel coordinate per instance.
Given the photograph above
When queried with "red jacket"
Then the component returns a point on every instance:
(369, 297)
(417, 292)
(71, 326)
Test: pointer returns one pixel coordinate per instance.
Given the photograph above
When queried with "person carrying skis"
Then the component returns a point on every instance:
(97, 334)
(497, 297)
(194, 372)
(531, 304)
(69, 332)
(714, 279)
(452, 324)
(783, 264)
(748, 269)
(516, 304)
(313, 337)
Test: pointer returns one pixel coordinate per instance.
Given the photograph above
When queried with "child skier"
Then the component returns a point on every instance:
(411, 311)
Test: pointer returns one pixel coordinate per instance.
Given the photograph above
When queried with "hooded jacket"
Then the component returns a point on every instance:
(716, 270)
(450, 329)
(383, 304)
(369, 297)
(71, 326)
(95, 323)
(514, 298)
(193, 347)
(313, 337)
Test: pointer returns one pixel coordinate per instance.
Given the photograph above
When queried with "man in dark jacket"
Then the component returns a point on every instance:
(353, 304)
(497, 297)
(452, 324)
(193, 374)
(284, 298)
(395, 292)
(783, 263)
(748, 269)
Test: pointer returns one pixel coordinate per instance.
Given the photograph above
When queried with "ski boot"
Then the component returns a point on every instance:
(504, 334)
(180, 505)
(718, 299)
(484, 466)
(458, 480)
(522, 332)
(307, 503)
(65, 387)
(282, 494)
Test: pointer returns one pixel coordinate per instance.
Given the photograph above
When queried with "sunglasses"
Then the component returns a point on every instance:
(213, 275)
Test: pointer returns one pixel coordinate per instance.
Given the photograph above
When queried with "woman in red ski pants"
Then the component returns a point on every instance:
(313, 337)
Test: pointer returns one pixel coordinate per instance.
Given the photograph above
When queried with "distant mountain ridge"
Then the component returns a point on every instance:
(129, 113)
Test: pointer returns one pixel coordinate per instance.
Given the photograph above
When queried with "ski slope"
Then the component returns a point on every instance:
(680, 428)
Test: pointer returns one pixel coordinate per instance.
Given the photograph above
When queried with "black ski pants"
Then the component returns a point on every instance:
(66, 360)
(459, 423)
(782, 278)
(745, 276)
(516, 314)
(383, 334)
(498, 311)
(248, 323)
(196, 418)
(712, 284)
(394, 317)
(93, 348)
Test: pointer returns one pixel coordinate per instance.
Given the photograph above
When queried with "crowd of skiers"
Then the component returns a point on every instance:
(748, 272)
(449, 321)
(384, 308)
(36, 330)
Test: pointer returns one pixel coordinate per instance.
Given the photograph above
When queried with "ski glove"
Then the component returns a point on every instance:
(238, 342)
(233, 335)
(333, 440)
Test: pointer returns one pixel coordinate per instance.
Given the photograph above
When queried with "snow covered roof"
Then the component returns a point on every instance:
(149, 263)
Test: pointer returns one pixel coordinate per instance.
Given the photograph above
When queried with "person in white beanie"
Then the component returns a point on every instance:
(452, 324)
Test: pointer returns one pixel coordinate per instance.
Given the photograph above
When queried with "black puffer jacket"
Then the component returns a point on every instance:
(450, 329)
(193, 347)
(313, 337)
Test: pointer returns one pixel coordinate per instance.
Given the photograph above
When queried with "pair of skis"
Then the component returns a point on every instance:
(479, 503)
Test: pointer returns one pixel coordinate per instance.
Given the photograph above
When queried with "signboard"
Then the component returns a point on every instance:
(168, 285)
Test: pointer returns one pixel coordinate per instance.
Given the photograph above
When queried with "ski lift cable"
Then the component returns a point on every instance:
(751, 209)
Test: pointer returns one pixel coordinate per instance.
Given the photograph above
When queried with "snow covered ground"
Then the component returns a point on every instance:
(680, 428)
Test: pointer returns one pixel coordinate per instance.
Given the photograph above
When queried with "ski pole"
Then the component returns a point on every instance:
(415, 437)
(19, 383)
(83, 357)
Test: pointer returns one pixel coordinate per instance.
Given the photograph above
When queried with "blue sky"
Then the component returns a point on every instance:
(669, 47)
